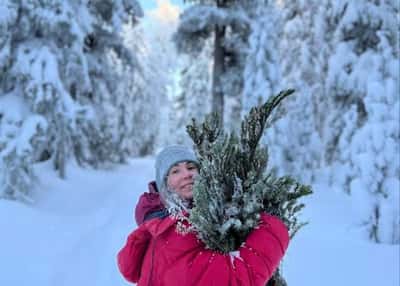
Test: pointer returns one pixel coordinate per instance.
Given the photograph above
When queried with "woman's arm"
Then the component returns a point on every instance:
(130, 257)
(264, 248)
(254, 262)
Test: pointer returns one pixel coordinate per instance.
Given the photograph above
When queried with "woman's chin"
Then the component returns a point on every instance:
(187, 195)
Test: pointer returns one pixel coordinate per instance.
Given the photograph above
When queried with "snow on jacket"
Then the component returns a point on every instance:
(156, 254)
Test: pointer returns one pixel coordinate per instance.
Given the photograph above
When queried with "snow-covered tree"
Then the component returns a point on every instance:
(194, 97)
(110, 62)
(262, 74)
(61, 63)
(148, 87)
(342, 58)
(363, 88)
(294, 140)
(158, 84)
(226, 23)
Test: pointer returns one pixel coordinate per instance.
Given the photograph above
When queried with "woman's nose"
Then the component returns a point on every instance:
(188, 173)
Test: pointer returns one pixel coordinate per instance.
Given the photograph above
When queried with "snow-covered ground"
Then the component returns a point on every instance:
(71, 235)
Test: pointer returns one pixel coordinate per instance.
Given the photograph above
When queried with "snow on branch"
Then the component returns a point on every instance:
(198, 22)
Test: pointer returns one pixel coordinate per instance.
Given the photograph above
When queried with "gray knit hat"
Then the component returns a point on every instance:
(168, 157)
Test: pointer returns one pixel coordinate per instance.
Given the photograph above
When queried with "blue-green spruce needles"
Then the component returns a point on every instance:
(233, 185)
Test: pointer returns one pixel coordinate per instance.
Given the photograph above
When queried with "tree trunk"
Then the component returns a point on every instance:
(218, 70)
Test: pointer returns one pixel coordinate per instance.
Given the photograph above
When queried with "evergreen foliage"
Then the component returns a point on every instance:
(226, 23)
(233, 187)
(147, 86)
(262, 72)
(342, 59)
(194, 95)
(362, 127)
(302, 56)
(64, 71)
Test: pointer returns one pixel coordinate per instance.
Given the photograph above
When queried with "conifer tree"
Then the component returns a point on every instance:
(362, 125)
(63, 71)
(301, 53)
(194, 95)
(226, 24)
(233, 186)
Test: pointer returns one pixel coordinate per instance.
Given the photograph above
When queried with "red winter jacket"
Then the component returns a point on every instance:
(155, 254)
(148, 203)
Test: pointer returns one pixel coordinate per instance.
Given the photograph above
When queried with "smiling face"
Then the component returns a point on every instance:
(181, 177)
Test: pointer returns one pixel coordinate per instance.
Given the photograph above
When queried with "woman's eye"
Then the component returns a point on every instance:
(175, 171)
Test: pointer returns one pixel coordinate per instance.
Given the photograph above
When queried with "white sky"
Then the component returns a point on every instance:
(150, 4)
(160, 15)
(165, 11)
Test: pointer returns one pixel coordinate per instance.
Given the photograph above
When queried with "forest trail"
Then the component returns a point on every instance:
(73, 232)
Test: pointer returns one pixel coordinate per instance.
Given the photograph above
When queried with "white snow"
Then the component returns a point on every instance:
(7, 12)
(13, 107)
(234, 255)
(73, 231)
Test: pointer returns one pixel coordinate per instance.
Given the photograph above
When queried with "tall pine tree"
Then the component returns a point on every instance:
(226, 23)
(262, 73)
(294, 140)
(194, 97)
(61, 62)
(363, 120)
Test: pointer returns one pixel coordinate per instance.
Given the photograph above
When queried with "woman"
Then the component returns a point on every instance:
(160, 252)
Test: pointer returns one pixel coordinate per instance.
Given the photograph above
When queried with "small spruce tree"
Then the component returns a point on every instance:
(233, 186)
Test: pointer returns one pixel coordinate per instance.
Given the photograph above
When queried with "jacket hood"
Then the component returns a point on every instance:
(148, 203)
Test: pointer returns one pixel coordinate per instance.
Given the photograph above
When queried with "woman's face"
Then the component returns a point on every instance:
(181, 178)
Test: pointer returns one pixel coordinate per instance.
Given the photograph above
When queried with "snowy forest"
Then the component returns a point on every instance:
(89, 82)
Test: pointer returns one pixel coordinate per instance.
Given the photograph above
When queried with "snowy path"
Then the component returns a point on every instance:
(74, 231)
(90, 260)
(72, 234)
(330, 251)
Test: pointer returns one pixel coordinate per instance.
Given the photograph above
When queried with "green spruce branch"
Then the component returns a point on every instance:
(233, 186)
